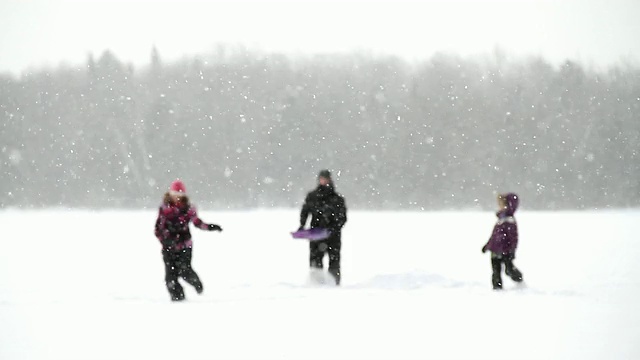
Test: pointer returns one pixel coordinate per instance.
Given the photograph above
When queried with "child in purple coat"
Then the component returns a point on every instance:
(172, 230)
(504, 241)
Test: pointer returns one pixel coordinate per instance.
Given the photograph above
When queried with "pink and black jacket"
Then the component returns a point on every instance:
(504, 238)
(172, 225)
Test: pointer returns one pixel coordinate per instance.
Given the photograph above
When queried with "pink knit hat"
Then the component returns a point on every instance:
(177, 188)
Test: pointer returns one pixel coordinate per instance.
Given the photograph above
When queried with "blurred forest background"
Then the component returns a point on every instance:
(248, 129)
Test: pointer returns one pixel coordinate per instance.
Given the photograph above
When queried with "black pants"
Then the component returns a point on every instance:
(178, 264)
(330, 246)
(496, 263)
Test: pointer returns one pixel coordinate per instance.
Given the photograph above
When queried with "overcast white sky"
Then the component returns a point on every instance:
(46, 32)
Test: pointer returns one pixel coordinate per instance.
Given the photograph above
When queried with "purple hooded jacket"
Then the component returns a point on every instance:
(504, 239)
(172, 225)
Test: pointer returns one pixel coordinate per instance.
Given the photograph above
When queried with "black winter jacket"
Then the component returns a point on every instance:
(327, 208)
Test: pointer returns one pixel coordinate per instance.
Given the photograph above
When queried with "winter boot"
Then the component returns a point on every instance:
(336, 275)
(512, 271)
(514, 274)
(496, 278)
(192, 278)
(497, 283)
(175, 291)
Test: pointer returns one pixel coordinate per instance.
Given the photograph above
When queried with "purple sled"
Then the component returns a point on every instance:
(311, 234)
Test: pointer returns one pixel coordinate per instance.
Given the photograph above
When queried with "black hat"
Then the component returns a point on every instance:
(325, 174)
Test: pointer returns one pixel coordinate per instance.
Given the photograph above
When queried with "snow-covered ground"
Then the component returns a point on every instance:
(89, 285)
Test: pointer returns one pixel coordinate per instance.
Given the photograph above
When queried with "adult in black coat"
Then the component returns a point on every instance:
(328, 210)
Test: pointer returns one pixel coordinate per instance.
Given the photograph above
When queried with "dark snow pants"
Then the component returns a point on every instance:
(178, 264)
(510, 270)
(330, 246)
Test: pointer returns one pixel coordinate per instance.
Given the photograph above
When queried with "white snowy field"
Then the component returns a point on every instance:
(90, 285)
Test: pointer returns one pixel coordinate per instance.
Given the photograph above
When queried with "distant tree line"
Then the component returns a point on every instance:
(246, 129)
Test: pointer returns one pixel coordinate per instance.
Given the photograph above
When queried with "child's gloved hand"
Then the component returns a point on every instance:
(214, 227)
(484, 249)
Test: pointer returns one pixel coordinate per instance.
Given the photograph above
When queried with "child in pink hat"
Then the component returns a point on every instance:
(172, 230)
